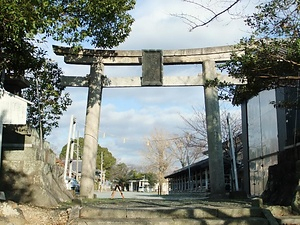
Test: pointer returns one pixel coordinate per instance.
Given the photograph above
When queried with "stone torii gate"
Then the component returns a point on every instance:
(152, 62)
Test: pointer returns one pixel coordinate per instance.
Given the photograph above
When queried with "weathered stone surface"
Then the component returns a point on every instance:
(11, 214)
(173, 221)
(152, 214)
(296, 201)
(30, 175)
(2, 195)
(33, 183)
(282, 182)
(133, 57)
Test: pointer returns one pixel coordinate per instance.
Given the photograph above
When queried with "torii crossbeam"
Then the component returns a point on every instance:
(152, 62)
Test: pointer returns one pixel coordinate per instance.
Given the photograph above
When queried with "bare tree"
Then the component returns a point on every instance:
(196, 127)
(235, 125)
(212, 9)
(185, 150)
(159, 156)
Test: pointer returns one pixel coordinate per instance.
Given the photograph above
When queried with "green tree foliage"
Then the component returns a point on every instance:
(120, 174)
(270, 58)
(49, 100)
(108, 159)
(25, 23)
(103, 23)
(151, 177)
(135, 175)
(19, 22)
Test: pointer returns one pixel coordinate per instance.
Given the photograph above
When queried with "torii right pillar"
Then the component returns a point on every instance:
(215, 152)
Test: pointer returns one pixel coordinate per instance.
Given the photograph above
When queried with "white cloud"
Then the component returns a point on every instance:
(155, 27)
(129, 115)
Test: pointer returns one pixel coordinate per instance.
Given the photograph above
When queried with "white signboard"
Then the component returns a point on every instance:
(13, 109)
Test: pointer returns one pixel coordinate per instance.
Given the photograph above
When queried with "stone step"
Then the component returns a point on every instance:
(168, 221)
(288, 220)
(183, 213)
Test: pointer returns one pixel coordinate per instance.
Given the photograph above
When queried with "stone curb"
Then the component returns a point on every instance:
(269, 216)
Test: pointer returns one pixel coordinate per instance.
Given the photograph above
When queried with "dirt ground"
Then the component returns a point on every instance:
(36, 215)
(21, 214)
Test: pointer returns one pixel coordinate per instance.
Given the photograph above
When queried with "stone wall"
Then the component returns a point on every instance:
(22, 143)
(283, 182)
(29, 174)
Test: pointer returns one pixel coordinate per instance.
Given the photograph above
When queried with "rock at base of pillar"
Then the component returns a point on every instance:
(2, 196)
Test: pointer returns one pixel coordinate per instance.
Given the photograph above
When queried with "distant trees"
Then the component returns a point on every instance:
(121, 174)
(109, 161)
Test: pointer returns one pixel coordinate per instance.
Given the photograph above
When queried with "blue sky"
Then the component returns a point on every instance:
(129, 116)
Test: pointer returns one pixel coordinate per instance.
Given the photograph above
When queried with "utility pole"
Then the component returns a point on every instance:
(189, 169)
(40, 113)
(77, 156)
(72, 122)
(233, 159)
(72, 148)
(101, 176)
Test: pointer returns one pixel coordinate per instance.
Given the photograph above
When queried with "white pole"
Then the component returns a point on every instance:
(40, 113)
(68, 149)
(233, 155)
(101, 176)
(206, 179)
(1, 133)
(189, 170)
(77, 156)
(72, 148)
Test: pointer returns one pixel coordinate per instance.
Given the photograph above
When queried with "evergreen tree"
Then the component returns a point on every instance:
(270, 58)
(108, 159)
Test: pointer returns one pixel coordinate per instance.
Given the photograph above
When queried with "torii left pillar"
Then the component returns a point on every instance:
(91, 130)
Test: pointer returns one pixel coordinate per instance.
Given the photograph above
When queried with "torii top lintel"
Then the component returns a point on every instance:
(134, 57)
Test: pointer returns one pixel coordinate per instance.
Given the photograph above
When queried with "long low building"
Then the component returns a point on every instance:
(195, 178)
